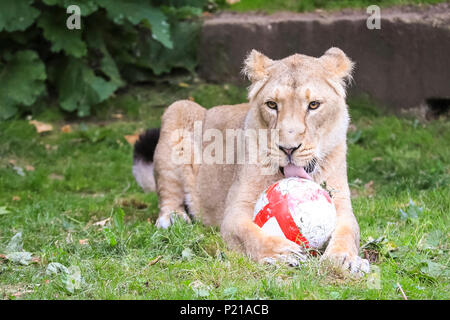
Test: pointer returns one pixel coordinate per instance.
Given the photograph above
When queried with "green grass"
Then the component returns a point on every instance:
(84, 176)
(270, 6)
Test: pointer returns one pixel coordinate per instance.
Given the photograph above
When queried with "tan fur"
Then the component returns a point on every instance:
(225, 195)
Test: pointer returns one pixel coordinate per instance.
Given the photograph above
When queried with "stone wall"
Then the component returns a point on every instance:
(401, 65)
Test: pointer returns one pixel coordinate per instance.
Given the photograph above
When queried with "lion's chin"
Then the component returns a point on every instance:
(292, 170)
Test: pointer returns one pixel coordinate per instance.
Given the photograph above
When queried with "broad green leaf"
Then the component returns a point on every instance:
(79, 88)
(7, 109)
(373, 279)
(191, 3)
(95, 135)
(17, 15)
(184, 12)
(55, 30)
(413, 211)
(433, 241)
(137, 11)
(434, 270)
(110, 237)
(23, 81)
(161, 60)
(108, 66)
(86, 6)
(118, 216)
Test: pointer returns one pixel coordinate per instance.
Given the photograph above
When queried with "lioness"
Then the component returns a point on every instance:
(303, 99)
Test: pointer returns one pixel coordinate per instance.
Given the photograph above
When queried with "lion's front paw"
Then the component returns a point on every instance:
(164, 221)
(347, 261)
(275, 249)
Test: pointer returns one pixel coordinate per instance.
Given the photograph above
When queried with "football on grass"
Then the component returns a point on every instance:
(299, 210)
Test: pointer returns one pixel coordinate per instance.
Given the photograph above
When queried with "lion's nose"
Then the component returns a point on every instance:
(287, 150)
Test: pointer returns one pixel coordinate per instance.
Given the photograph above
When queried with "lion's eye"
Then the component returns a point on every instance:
(314, 105)
(272, 105)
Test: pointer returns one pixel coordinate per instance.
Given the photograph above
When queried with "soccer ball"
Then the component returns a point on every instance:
(297, 209)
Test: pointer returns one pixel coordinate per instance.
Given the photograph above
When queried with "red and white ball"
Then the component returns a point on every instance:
(297, 209)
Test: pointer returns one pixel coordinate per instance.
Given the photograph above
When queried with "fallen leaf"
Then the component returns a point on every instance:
(371, 255)
(230, 292)
(73, 279)
(84, 241)
(131, 139)
(377, 159)
(183, 84)
(54, 176)
(154, 261)
(117, 116)
(29, 168)
(15, 244)
(191, 98)
(19, 171)
(21, 257)
(132, 203)
(102, 223)
(4, 210)
(55, 268)
(369, 188)
(66, 129)
(69, 238)
(199, 288)
(187, 254)
(230, 2)
(41, 126)
(50, 147)
(16, 198)
(12, 162)
(19, 293)
(14, 250)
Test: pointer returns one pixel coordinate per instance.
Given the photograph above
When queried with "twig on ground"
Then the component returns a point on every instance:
(401, 290)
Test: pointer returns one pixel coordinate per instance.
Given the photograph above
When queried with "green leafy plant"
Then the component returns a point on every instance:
(116, 233)
(118, 42)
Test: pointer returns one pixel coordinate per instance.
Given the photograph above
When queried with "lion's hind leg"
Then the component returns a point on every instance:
(173, 162)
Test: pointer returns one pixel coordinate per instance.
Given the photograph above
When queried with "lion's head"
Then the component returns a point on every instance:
(303, 98)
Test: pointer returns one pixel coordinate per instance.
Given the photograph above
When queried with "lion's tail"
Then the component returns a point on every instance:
(144, 150)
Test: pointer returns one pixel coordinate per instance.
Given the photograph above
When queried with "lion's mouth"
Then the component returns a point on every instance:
(292, 170)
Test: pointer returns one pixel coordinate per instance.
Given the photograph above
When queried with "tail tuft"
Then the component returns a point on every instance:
(144, 150)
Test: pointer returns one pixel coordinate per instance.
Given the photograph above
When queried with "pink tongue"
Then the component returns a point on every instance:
(293, 171)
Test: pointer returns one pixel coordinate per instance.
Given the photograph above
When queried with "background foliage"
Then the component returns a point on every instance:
(120, 42)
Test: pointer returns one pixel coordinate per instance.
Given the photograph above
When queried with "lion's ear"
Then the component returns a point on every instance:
(336, 61)
(255, 66)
